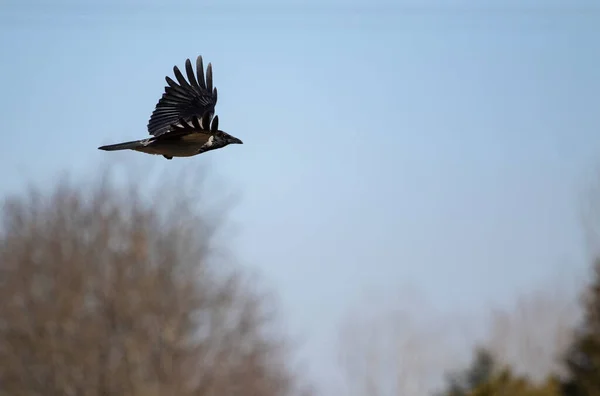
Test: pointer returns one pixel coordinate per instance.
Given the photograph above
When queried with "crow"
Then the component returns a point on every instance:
(183, 123)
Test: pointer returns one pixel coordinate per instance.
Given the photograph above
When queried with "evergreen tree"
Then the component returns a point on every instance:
(479, 371)
(583, 358)
(505, 383)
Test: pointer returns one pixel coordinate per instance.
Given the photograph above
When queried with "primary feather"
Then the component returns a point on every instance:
(183, 100)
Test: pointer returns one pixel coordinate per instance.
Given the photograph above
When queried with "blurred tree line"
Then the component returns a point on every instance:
(110, 289)
(581, 363)
(545, 344)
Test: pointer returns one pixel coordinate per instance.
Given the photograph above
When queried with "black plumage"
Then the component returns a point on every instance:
(183, 123)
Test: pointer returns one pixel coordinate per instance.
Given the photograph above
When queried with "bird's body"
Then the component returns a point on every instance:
(183, 123)
(169, 147)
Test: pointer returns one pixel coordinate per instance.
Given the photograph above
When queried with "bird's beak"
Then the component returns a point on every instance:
(236, 141)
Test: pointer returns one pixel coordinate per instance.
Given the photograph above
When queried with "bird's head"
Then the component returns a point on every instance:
(222, 138)
(227, 138)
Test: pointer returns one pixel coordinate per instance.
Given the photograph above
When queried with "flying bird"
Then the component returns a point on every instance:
(183, 123)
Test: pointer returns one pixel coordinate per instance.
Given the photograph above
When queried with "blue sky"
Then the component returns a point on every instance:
(442, 147)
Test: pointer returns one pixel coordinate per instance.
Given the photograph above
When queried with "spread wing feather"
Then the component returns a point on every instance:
(185, 100)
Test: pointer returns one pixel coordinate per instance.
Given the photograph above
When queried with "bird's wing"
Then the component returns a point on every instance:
(185, 100)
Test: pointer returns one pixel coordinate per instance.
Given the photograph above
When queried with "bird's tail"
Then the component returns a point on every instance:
(123, 146)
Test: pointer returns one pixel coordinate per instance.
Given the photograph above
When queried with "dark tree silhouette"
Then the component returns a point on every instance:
(583, 357)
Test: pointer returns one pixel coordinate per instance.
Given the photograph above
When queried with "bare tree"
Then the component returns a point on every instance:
(398, 346)
(106, 292)
(532, 335)
(403, 347)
